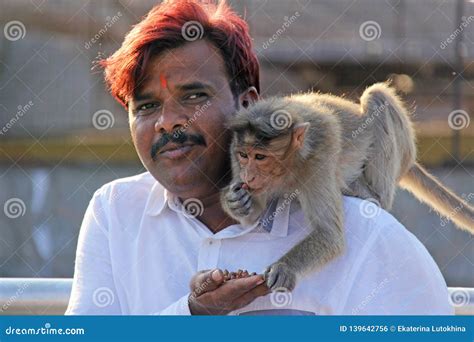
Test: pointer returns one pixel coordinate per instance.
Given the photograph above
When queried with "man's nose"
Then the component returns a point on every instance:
(169, 120)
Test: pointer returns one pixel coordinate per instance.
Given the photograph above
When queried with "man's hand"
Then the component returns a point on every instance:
(213, 293)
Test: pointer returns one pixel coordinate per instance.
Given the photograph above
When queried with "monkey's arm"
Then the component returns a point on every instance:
(239, 204)
(324, 216)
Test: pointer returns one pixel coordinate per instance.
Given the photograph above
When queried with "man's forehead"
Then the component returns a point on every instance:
(199, 51)
(192, 63)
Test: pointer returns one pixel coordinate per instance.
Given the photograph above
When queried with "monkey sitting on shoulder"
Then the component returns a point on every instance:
(322, 146)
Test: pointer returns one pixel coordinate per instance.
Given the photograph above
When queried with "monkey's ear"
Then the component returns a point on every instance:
(299, 133)
(249, 96)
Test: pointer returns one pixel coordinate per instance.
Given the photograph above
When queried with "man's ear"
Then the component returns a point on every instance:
(299, 134)
(247, 97)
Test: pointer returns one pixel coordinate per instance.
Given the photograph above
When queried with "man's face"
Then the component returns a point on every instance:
(177, 119)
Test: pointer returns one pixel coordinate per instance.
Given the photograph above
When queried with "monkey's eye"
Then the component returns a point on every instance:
(242, 155)
(259, 156)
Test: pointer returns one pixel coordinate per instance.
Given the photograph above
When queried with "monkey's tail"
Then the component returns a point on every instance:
(428, 189)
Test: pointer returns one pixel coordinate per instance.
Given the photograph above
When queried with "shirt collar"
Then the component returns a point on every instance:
(276, 217)
(157, 200)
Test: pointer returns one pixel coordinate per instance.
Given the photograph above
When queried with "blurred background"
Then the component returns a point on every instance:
(62, 136)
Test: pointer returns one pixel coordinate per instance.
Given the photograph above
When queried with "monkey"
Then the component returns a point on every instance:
(322, 147)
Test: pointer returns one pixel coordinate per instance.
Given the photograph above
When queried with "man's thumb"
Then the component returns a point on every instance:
(206, 281)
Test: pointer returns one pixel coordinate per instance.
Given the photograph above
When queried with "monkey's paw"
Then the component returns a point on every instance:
(239, 200)
(280, 275)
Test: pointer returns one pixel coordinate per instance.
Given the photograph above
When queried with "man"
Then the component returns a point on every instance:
(155, 243)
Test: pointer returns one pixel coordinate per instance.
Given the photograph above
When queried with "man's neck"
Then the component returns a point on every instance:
(213, 216)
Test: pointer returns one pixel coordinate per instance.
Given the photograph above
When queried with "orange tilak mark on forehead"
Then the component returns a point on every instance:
(163, 81)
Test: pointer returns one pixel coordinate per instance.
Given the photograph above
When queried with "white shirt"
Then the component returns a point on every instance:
(137, 252)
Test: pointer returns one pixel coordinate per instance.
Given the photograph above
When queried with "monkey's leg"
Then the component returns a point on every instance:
(323, 212)
(393, 150)
(359, 188)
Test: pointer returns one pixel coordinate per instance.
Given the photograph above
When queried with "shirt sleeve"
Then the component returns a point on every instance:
(93, 290)
(397, 276)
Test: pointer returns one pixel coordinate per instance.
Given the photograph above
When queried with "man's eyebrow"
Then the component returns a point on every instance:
(194, 86)
(137, 97)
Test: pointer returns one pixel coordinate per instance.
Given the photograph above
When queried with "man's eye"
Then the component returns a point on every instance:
(260, 156)
(242, 155)
(196, 97)
(147, 108)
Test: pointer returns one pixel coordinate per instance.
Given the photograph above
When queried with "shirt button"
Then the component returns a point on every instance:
(210, 242)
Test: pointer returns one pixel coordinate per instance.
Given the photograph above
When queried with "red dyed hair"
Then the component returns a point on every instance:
(162, 29)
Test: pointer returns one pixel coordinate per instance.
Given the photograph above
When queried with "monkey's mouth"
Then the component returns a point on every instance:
(255, 191)
(252, 190)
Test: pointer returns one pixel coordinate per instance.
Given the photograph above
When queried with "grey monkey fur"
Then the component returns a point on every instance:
(363, 150)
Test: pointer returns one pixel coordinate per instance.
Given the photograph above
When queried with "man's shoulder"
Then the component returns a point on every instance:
(374, 239)
(372, 228)
(368, 218)
(384, 258)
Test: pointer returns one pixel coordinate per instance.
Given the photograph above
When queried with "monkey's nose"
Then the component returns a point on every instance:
(249, 180)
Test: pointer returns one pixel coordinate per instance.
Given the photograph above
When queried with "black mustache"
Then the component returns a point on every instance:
(179, 138)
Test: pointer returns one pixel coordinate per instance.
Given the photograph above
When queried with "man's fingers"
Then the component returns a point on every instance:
(213, 295)
(206, 281)
(235, 288)
(196, 279)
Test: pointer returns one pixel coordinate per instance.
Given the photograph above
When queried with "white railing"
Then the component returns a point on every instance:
(49, 296)
(34, 296)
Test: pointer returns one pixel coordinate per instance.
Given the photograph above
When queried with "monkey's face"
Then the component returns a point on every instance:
(260, 168)
(266, 156)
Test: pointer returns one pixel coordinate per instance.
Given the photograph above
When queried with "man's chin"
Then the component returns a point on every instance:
(174, 172)
(175, 179)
